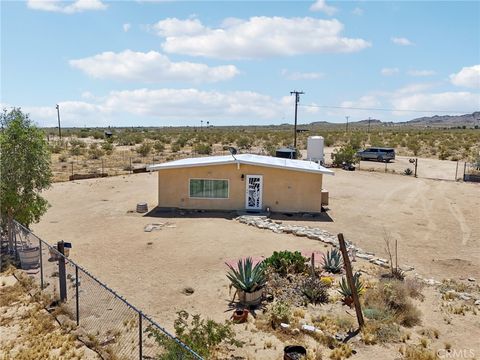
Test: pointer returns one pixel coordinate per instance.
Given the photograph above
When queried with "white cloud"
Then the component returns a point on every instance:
(166, 106)
(296, 75)
(357, 11)
(389, 71)
(66, 7)
(321, 5)
(420, 73)
(126, 27)
(150, 67)
(469, 76)
(401, 41)
(460, 102)
(257, 37)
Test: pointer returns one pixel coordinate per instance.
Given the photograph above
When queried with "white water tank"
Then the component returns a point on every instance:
(315, 149)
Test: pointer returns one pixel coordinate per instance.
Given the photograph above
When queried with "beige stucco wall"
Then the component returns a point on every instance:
(283, 190)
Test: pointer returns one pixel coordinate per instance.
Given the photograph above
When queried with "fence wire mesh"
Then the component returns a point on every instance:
(109, 324)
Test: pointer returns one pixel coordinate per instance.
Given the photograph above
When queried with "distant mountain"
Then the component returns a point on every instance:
(447, 120)
(433, 121)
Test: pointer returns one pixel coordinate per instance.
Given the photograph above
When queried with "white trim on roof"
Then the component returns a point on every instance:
(249, 159)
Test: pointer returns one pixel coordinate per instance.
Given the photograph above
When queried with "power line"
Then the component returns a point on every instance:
(382, 109)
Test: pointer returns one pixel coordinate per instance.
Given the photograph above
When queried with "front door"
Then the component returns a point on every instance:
(253, 196)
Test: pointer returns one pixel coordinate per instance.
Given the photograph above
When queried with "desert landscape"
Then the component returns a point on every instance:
(435, 223)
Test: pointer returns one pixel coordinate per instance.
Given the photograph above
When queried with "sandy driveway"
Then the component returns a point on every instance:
(436, 222)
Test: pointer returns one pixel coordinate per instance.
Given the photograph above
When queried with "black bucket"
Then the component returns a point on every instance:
(294, 352)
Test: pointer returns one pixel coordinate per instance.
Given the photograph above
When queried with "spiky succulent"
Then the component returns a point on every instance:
(247, 277)
(332, 262)
(345, 289)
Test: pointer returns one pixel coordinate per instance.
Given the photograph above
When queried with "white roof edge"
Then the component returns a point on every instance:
(227, 159)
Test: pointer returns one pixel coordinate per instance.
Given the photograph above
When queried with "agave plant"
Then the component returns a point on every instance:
(332, 262)
(347, 292)
(246, 277)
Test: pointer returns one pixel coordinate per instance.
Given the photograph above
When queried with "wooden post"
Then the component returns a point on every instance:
(416, 163)
(348, 270)
(456, 171)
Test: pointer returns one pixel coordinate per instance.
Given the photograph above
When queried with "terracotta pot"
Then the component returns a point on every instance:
(249, 299)
(348, 301)
(239, 316)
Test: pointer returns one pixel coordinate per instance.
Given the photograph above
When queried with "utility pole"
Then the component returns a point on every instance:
(297, 99)
(346, 127)
(201, 125)
(59, 128)
(369, 119)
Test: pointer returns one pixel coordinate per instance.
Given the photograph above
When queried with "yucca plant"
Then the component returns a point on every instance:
(246, 277)
(332, 262)
(345, 290)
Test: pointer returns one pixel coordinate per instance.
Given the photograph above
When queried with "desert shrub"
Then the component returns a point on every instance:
(63, 158)
(408, 172)
(202, 336)
(97, 135)
(380, 331)
(204, 149)
(392, 298)
(57, 146)
(76, 150)
(346, 154)
(159, 146)
(175, 148)
(244, 142)
(76, 142)
(416, 352)
(181, 141)
(280, 312)
(107, 147)
(332, 261)
(144, 149)
(284, 262)
(314, 290)
(94, 152)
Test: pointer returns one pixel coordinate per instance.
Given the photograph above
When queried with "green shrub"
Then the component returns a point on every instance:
(159, 146)
(176, 148)
(107, 147)
(144, 149)
(345, 290)
(332, 262)
(284, 262)
(314, 290)
(202, 336)
(246, 277)
(95, 152)
(346, 154)
(204, 149)
(280, 312)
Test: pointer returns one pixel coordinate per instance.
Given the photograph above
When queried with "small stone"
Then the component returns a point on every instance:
(284, 326)
(295, 331)
(464, 296)
(278, 222)
(477, 302)
(188, 291)
(472, 279)
(364, 256)
(310, 328)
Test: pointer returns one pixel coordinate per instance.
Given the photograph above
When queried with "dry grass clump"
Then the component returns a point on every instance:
(11, 294)
(342, 352)
(417, 352)
(375, 332)
(391, 300)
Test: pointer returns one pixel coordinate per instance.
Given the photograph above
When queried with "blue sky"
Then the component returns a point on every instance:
(156, 63)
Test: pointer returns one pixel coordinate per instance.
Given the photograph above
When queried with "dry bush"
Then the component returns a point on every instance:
(392, 298)
(415, 352)
(380, 332)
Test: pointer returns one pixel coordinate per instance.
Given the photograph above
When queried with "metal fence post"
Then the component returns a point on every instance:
(61, 272)
(140, 341)
(76, 295)
(41, 264)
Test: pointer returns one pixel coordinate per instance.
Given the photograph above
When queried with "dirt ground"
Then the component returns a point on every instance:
(435, 222)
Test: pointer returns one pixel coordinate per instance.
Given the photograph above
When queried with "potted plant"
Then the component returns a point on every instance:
(29, 257)
(248, 280)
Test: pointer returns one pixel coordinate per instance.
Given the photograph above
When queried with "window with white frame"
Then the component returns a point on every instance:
(208, 189)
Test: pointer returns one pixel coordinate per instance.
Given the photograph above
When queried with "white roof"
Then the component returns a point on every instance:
(250, 159)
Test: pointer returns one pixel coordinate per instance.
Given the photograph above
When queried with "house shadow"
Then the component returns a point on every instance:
(172, 213)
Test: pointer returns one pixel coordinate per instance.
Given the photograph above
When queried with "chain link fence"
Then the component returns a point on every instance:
(104, 320)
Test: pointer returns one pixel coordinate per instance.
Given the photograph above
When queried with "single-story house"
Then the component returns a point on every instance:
(241, 182)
